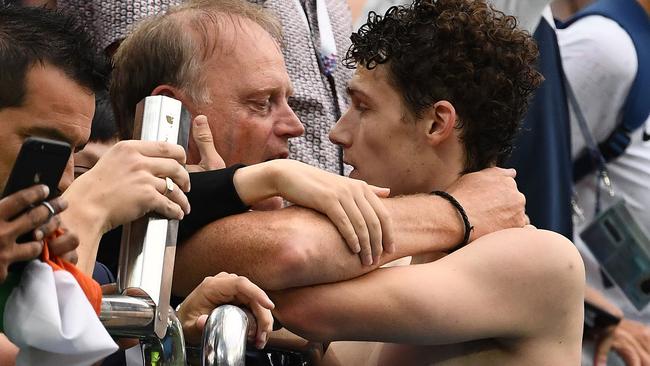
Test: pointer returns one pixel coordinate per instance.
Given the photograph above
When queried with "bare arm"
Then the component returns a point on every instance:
(519, 282)
(298, 247)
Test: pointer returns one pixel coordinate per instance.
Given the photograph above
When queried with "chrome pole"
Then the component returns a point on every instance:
(147, 251)
(225, 335)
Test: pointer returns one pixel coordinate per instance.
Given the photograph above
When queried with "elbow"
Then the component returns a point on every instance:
(289, 269)
(303, 318)
(291, 260)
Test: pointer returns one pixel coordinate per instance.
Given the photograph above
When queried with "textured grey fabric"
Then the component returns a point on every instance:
(111, 20)
(313, 100)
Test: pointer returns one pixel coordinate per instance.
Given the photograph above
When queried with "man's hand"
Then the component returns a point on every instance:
(352, 205)
(39, 219)
(491, 200)
(630, 339)
(210, 158)
(129, 182)
(221, 289)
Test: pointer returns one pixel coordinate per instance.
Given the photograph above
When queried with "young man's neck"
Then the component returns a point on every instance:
(440, 176)
(451, 158)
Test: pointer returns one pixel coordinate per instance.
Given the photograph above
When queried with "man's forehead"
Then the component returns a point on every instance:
(250, 61)
(378, 73)
(367, 81)
(58, 107)
(219, 34)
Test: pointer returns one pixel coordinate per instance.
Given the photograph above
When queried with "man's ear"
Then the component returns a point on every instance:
(440, 120)
(176, 93)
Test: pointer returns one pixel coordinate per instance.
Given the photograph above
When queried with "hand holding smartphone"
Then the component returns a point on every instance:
(40, 161)
(23, 208)
(14, 225)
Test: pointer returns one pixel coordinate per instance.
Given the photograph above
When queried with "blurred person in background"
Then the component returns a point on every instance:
(605, 51)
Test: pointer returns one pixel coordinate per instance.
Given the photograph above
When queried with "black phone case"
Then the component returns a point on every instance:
(40, 161)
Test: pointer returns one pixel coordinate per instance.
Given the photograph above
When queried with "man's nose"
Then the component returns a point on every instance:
(289, 125)
(340, 135)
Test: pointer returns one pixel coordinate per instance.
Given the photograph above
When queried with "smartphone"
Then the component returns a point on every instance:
(40, 161)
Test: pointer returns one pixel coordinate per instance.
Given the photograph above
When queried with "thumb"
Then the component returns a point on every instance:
(210, 158)
(603, 346)
(380, 191)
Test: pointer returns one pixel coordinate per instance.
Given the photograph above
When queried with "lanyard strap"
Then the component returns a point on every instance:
(594, 152)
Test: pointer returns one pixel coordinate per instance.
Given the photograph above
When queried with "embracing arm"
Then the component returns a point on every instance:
(519, 282)
(295, 246)
(298, 247)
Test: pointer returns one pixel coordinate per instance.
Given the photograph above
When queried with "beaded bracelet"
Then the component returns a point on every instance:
(463, 215)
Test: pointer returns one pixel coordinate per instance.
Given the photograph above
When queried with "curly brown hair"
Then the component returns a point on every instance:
(463, 51)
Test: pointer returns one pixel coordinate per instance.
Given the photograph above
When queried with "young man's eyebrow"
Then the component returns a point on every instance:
(352, 91)
(51, 133)
(359, 94)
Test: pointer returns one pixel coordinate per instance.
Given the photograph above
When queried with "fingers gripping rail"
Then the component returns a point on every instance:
(141, 309)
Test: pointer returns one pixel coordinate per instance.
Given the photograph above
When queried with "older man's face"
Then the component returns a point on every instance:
(54, 107)
(249, 86)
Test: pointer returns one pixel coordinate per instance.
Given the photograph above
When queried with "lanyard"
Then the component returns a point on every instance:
(594, 152)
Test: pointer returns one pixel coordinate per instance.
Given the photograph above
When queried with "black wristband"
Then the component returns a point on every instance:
(463, 215)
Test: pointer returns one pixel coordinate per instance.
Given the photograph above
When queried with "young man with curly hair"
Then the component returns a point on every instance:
(439, 91)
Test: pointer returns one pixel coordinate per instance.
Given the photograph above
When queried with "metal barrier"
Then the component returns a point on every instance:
(141, 308)
(225, 335)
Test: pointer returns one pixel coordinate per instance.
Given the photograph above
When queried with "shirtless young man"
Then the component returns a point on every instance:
(439, 91)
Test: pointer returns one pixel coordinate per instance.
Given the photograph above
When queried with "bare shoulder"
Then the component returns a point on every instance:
(540, 272)
(529, 251)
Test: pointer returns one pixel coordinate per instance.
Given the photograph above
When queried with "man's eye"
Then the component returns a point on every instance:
(262, 105)
(360, 107)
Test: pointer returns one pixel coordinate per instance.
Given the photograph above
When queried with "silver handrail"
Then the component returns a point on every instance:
(141, 308)
(127, 316)
(225, 335)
